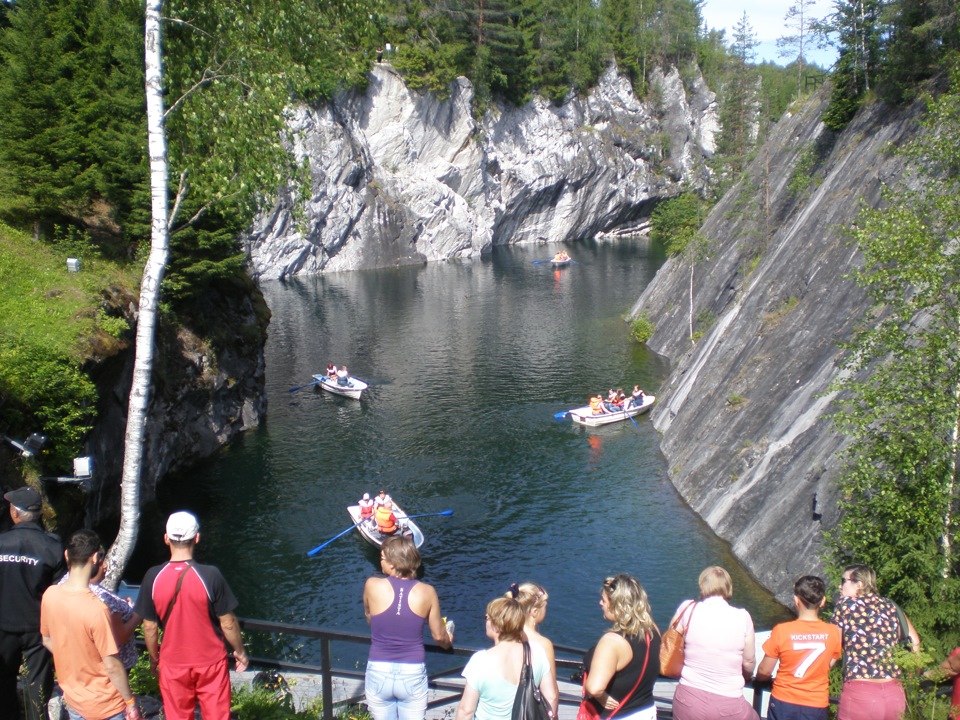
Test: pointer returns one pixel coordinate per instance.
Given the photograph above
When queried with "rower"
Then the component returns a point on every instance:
(635, 399)
(343, 377)
(596, 405)
(386, 520)
(331, 370)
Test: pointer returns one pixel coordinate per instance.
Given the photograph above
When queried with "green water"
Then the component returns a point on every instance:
(469, 362)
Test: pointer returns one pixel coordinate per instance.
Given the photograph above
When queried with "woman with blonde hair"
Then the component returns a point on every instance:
(493, 675)
(871, 629)
(623, 666)
(533, 599)
(397, 607)
(718, 653)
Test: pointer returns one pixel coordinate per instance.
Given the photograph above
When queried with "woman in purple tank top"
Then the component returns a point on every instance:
(397, 607)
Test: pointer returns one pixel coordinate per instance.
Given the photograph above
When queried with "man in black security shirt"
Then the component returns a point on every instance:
(30, 561)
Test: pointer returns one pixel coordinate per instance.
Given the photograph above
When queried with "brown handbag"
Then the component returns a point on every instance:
(672, 641)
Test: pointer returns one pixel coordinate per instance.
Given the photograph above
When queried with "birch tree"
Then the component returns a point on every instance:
(234, 69)
(899, 495)
(137, 405)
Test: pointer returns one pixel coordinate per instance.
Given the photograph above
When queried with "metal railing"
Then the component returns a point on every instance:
(439, 680)
(568, 665)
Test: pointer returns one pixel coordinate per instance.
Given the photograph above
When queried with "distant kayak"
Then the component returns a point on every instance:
(352, 389)
(584, 415)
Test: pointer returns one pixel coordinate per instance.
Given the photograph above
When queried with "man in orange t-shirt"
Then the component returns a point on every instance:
(807, 648)
(78, 631)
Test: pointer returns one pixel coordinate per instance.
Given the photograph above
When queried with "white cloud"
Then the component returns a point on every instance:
(767, 17)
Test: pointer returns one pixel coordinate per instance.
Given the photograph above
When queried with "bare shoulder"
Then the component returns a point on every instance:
(612, 642)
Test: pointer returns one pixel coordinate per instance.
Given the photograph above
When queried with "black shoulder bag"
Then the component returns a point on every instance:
(529, 703)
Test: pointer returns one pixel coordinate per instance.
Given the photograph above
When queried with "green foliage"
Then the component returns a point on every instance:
(703, 323)
(116, 327)
(71, 102)
(922, 700)
(52, 395)
(642, 329)
(675, 222)
(141, 678)
(899, 490)
(49, 316)
(803, 175)
(268, 704)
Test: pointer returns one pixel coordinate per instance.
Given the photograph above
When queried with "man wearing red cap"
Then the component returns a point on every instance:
(31, 560)
(194, 606)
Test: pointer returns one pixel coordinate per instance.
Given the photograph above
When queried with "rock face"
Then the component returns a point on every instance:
(744, 415)
(400, 177)
(205, 393)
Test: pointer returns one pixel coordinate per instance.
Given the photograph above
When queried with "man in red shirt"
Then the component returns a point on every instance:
(194, 606)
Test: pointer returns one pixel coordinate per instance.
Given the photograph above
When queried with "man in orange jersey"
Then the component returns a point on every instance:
(807, 648)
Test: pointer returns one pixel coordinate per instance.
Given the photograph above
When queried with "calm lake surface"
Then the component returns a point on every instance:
(468, 364)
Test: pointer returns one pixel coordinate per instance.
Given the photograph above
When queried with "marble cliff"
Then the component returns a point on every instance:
(401, 177)
(744, 415)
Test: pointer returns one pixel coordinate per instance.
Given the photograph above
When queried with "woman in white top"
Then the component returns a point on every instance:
(493, 675)
(718, 654)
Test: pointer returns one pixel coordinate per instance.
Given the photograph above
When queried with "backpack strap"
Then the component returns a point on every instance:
(166, 615)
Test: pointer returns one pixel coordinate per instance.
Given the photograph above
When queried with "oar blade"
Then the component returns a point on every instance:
(301, 387)
(561, 415)
(318, 548)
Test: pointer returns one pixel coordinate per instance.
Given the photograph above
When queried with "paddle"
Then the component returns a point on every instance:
(301, 387)
(538, 262)
(561, 415)
(318, 548)
(442, 512)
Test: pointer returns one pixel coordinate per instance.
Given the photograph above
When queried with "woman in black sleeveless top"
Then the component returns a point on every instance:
(616, 662)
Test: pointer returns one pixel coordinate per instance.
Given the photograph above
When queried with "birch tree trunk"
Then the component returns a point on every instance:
(123, 546)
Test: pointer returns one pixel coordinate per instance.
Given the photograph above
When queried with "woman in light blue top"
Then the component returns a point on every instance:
(493, 675)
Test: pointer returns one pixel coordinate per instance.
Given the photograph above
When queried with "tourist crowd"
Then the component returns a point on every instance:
(55, 616)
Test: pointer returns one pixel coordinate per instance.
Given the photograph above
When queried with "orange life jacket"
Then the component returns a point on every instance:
(596, 405)
(366, 510)
(386, 520)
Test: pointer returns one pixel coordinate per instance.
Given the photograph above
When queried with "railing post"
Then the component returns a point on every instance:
(326, 679)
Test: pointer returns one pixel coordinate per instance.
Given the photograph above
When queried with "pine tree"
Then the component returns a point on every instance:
(795, 46)
(738, 109)
(857, 31)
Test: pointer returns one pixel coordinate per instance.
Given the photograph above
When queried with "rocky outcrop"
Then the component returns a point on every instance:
(400, 177)
(744, 415)
(207, 388)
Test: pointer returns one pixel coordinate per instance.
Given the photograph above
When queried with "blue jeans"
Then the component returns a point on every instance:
(396, 691)
(74, 715)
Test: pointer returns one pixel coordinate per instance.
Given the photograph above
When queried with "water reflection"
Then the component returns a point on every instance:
(468, 364)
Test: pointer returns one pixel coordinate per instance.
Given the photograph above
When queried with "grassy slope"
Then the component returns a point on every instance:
(43, 304)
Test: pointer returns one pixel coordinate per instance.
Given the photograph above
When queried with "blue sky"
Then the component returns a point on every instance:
(767, 19)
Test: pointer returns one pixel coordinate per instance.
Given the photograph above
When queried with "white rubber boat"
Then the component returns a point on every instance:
(368, 528)
(585, 416)
(352, 389)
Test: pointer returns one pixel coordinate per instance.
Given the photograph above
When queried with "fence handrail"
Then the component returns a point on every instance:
(436, 680)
